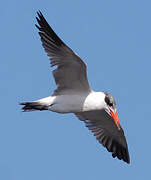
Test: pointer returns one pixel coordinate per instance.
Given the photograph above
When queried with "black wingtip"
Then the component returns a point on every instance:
(128, 158)
(45, 28)
(39, 13)
(121, 153)
(37, 27)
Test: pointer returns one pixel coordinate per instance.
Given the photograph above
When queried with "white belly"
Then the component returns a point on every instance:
(68, 103)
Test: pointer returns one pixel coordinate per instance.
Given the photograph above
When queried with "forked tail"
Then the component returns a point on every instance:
(32, 106)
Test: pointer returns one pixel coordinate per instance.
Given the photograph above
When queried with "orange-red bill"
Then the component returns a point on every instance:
(115, 118)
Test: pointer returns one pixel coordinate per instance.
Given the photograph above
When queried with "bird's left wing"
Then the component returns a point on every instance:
(103, 127)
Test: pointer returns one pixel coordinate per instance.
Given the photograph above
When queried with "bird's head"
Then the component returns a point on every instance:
(111, 108)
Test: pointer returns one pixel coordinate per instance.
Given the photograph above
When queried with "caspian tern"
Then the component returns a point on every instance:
(74, 95)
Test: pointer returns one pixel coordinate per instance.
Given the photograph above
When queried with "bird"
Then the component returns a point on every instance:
(73, 94)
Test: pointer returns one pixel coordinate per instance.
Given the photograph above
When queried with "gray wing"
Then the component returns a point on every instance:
(103, 127)
(70, 74)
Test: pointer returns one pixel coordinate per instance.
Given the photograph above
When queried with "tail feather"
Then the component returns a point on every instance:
(32, 106)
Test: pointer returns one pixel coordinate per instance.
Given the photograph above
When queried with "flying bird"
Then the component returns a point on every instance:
(74, 95)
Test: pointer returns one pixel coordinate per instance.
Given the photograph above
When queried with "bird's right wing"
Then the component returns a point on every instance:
(70, 74)
(103, 127)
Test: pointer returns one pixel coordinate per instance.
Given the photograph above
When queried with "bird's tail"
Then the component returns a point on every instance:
(32, 106)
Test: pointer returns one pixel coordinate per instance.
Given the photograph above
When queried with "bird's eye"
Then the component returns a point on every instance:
(108, 101)
(110, 104)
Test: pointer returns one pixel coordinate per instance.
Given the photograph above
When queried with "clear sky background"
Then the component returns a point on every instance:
(114, 39)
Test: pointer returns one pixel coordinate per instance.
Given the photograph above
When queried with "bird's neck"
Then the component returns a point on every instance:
(94, 101)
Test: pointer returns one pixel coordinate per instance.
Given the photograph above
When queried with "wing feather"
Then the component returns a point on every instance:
(101, 124)
(70, 74)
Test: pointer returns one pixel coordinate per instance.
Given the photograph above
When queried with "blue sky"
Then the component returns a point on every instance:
(114, 39)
